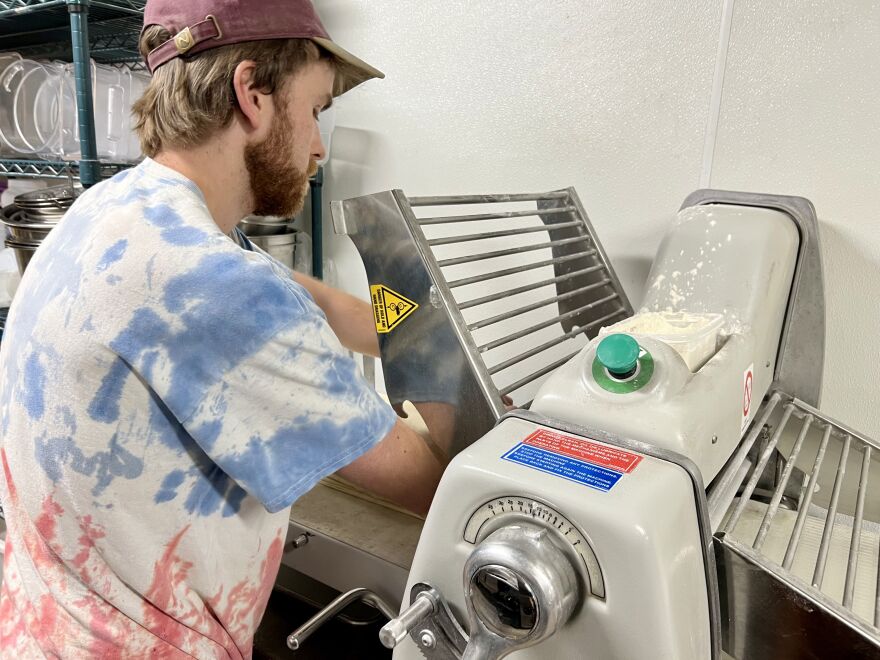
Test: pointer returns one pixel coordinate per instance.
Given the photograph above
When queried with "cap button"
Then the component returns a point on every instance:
(619, 354)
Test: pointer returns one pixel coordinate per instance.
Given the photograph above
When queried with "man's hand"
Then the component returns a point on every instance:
(350, 318)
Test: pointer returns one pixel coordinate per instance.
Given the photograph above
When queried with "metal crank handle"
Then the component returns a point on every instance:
(297, 637)
(396, 630)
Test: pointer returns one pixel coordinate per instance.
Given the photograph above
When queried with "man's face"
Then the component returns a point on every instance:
(280, 166)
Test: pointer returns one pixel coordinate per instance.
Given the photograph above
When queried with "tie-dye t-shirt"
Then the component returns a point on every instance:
(165, 396)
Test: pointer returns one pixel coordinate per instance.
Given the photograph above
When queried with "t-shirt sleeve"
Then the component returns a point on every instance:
(294, 412)
(254, 374)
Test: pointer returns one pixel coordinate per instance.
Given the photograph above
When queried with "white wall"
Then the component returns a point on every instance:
(623, 101)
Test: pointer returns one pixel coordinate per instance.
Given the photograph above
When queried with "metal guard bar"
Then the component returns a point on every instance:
(820, 434)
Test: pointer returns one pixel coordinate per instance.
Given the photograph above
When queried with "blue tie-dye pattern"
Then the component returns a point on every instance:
(207, 485)
(221, 325)
(208, 498)
(33, 386)
(219, 311)
(340, 378)
(287, 464)
(174, 230)
(208, 433)
(148, 363)
(118, 462)
(234, 499)
(134, 195)
(165, 428)
(209, 491)
(170, 484)
(68, 418)
(112, 255)
(105, 404)
(54, 454)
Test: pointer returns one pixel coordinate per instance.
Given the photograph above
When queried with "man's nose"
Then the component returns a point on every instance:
(318, 150)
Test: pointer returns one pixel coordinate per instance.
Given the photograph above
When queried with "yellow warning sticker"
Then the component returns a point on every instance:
(389, 308)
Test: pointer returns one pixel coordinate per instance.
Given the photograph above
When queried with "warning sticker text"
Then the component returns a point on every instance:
(389, 308)
(562, 466)
(609, 457)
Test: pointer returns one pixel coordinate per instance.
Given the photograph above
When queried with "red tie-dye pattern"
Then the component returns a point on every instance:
(229, 621)
(46, 521)
(74, 613)
(74, 616)
(246, 603)
(173, 611)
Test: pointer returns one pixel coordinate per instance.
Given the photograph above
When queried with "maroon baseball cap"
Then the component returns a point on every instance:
(199, 25)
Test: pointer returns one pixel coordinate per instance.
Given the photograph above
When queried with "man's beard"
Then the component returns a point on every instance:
(279, 187)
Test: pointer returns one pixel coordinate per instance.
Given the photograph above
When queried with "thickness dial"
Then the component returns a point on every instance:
(502, 511)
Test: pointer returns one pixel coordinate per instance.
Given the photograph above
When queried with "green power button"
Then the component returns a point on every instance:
(619, 354)
(621, 365)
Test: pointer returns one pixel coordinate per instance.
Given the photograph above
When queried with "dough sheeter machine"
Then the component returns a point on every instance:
(665, 486)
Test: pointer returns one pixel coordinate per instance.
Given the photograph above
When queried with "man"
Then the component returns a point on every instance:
(168, 391)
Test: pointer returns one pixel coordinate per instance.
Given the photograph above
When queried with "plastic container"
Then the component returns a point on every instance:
(693, 336)
(134, 84)
(46, 120)
(33, 107)
(108, 97)
(19, 105)
(7, 127)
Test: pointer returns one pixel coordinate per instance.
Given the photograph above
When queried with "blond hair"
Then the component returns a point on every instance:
(189, 100)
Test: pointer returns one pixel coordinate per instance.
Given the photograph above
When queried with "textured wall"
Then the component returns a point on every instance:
(799, 116)
(504, 96)
(616, 99)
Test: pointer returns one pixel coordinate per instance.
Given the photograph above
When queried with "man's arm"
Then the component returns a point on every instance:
(350, 318)
(402, 468)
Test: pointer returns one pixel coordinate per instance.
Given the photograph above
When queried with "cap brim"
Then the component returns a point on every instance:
(355, 72)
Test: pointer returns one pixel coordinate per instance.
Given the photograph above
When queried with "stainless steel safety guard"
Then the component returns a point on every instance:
(798, 548)
(799, 362)
(506, 294)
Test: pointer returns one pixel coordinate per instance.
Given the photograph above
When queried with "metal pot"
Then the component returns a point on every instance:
(56, 197)
(280, 246)
(264, 226)
(22, 229)
(24, 252)
(32, 216)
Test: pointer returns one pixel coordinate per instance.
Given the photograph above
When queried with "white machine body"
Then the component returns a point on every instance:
(736, 262)
(643, 588)
(642, 583)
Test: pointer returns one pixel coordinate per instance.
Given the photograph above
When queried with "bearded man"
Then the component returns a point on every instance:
(168, 390)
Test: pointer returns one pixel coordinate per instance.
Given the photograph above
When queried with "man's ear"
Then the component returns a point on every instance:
(253, 103)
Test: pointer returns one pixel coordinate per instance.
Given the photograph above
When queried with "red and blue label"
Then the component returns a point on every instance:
(575, 459)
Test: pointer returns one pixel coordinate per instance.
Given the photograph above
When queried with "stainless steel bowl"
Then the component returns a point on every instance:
(21, 228)
(56, 197)
(280, 246)
(33, 215)
(258, 226)
(24, 252)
